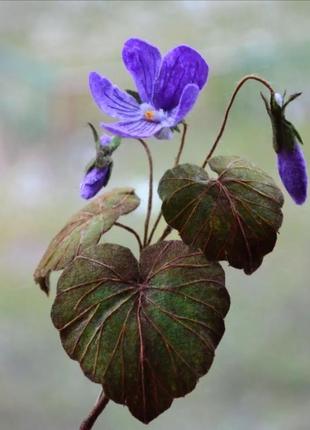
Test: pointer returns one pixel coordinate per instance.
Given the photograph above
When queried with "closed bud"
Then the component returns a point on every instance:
(286, 142)
(98, 171)
(94, 179)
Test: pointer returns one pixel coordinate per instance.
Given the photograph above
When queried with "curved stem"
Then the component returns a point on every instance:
(239, 85)
(150, 199)
(166, 232)
(131, 230)
(177, 160)
(101, 403)
(154, 228)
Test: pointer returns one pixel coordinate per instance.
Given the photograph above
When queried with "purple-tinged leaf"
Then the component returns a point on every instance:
(146, 331)
(234, 217)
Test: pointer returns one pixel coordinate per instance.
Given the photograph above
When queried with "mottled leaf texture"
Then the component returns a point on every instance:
(85, 228)
(234, 217)
(146, 331)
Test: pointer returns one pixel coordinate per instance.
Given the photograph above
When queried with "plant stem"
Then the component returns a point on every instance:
(150, 199)
(166, 232)
(154, 227)
(131, 230)
(177, 160)
(101, 403)
(239, 85)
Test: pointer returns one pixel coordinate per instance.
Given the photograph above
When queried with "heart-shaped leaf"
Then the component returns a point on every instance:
(234, 217)
(85, 228)
(147, 332)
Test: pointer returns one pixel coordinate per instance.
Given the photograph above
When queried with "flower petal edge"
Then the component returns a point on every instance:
(111, 100)
(142, 61)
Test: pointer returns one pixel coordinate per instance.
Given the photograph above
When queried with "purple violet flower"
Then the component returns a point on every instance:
(293, 172)
(291, 163)
(99, 170)
(94, 180)
(168, 88)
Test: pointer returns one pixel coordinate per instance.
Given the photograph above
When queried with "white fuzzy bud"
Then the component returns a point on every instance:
(279, 99)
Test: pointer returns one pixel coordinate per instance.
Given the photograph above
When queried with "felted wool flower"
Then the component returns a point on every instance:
(293, 173)
(94, 179)
(167, 86)
(99, 170)
(286, 142)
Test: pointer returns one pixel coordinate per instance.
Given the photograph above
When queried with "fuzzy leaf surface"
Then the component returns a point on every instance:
(233, 217)
(146, 331)
(85, 228)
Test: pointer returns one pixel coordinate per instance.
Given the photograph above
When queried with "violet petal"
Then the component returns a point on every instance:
(164, 134)
(105, 140)
(137, 129)
(186, 103)
(142, 60)
(111, 100)
(180, 67)
(293, 172)
(93, 181)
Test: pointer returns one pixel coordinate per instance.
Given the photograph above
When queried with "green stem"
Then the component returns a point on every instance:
(150, 198)
(222, 128)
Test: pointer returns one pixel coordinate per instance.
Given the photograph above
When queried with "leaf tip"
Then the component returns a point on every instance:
(43, 282)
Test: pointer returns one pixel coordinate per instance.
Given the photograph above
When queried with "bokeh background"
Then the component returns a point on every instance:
(260, 379)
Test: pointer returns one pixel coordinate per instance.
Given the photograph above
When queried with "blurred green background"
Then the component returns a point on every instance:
(260, 379)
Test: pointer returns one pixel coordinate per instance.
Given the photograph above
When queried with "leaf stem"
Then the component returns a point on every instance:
(177, 160)
(154, 228)
(166, 232)
(222, 128)
(101, 403)
(150, 198)
(131, 230)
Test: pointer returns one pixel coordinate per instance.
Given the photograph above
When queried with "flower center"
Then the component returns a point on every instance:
(149, 115)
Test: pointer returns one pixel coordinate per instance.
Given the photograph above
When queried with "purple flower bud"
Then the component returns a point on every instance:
(291, 163)
(105, 140)
(94, 179)
(293, 172)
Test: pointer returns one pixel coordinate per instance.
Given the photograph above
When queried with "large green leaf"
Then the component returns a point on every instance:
(234, 217)
(146, 331)
(85, 228)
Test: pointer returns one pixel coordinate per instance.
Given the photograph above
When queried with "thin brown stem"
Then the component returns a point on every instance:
(239, 85)
(101, 403)
(166, 232)
(131, 230)
(154, 227)
(177, 161)
(150, 198)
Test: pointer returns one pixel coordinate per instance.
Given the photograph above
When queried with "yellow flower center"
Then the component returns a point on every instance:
(149, 115)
